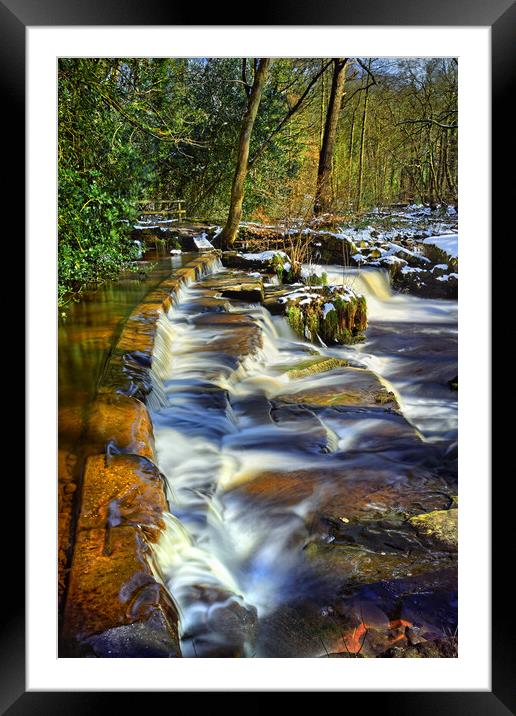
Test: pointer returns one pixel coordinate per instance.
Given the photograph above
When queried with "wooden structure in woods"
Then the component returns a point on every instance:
(173, 208)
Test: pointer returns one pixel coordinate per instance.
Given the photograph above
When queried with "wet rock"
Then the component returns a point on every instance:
(297, 630)
(332, 314)
(348, 386)
(211, 304)
(291, 428)
(441, 525)
(226, 629)
(121, 424)
(150, 638)
(111, 585)
(454, 383)
(358, 564)
(128, 374)
(236, 260)
(237, 286)
(353, 493)
(66, 491)
(246, 291)
(429, 283)
(311, 366)
(235, 336)
(445, 648)
(122, 490)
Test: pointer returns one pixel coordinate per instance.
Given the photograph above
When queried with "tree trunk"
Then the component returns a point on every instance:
(229, 233)
(361, 155)
(323, 190)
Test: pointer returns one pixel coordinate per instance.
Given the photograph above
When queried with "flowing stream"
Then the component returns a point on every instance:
(285, 509)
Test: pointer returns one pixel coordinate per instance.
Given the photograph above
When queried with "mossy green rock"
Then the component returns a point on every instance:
(442, 525)
(311, 366)
(332, 315)
(351, 386)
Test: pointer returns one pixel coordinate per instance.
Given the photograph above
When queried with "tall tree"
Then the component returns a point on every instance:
(323, 189)
(362, 137)
(254, 92)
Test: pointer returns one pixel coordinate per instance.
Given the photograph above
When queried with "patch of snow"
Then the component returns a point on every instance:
(395, 249)
(411, 269)
(448, 276)
(327, 308)
(176, 251)
(264, 256)
(449, 243)
(390, 260)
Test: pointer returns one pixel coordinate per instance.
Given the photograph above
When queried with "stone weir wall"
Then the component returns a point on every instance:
(116, 605)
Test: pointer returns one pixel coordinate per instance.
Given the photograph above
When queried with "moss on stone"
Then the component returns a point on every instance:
(442, 525)
(343, 324)
(311, 366)
(295, 320)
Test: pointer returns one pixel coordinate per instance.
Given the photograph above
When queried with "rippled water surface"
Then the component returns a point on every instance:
(288, 508)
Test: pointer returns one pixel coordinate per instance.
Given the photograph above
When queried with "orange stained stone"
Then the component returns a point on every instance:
(110, 583)
(122, 490)
(122, 423)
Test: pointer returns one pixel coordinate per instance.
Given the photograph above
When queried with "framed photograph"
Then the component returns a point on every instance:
(246, 323)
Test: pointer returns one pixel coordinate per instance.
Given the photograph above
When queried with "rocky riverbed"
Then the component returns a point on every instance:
(283, 430)
(310, 515)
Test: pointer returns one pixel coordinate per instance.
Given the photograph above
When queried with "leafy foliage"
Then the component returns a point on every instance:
(168, 128)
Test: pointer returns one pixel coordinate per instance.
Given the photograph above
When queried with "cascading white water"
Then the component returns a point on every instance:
(230, 562)
(405, 335)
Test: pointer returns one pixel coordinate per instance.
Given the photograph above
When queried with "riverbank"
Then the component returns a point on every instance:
(111, 497)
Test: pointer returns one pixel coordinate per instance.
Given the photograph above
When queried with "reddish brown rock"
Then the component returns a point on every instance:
(111, 585)
(352, 494)
(122, 490)
(117, 422)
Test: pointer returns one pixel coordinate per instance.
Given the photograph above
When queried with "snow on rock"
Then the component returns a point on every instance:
(264, 256)
(393, 260)
(449, 243)
(448, 276)
(327, 308)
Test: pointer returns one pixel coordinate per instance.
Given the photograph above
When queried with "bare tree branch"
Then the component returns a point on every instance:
(429, 121)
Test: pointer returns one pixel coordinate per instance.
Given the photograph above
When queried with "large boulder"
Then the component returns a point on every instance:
(332, 314)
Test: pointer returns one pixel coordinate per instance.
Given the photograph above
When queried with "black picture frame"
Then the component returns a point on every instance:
(500, 15)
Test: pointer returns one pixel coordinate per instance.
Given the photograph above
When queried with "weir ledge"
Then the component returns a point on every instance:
(116, 604)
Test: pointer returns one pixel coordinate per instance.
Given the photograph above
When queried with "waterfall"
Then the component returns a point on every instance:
(231, 556)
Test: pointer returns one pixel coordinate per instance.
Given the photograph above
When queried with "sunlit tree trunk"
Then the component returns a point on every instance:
(361, 154)
(229, 233)
(323, 189)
